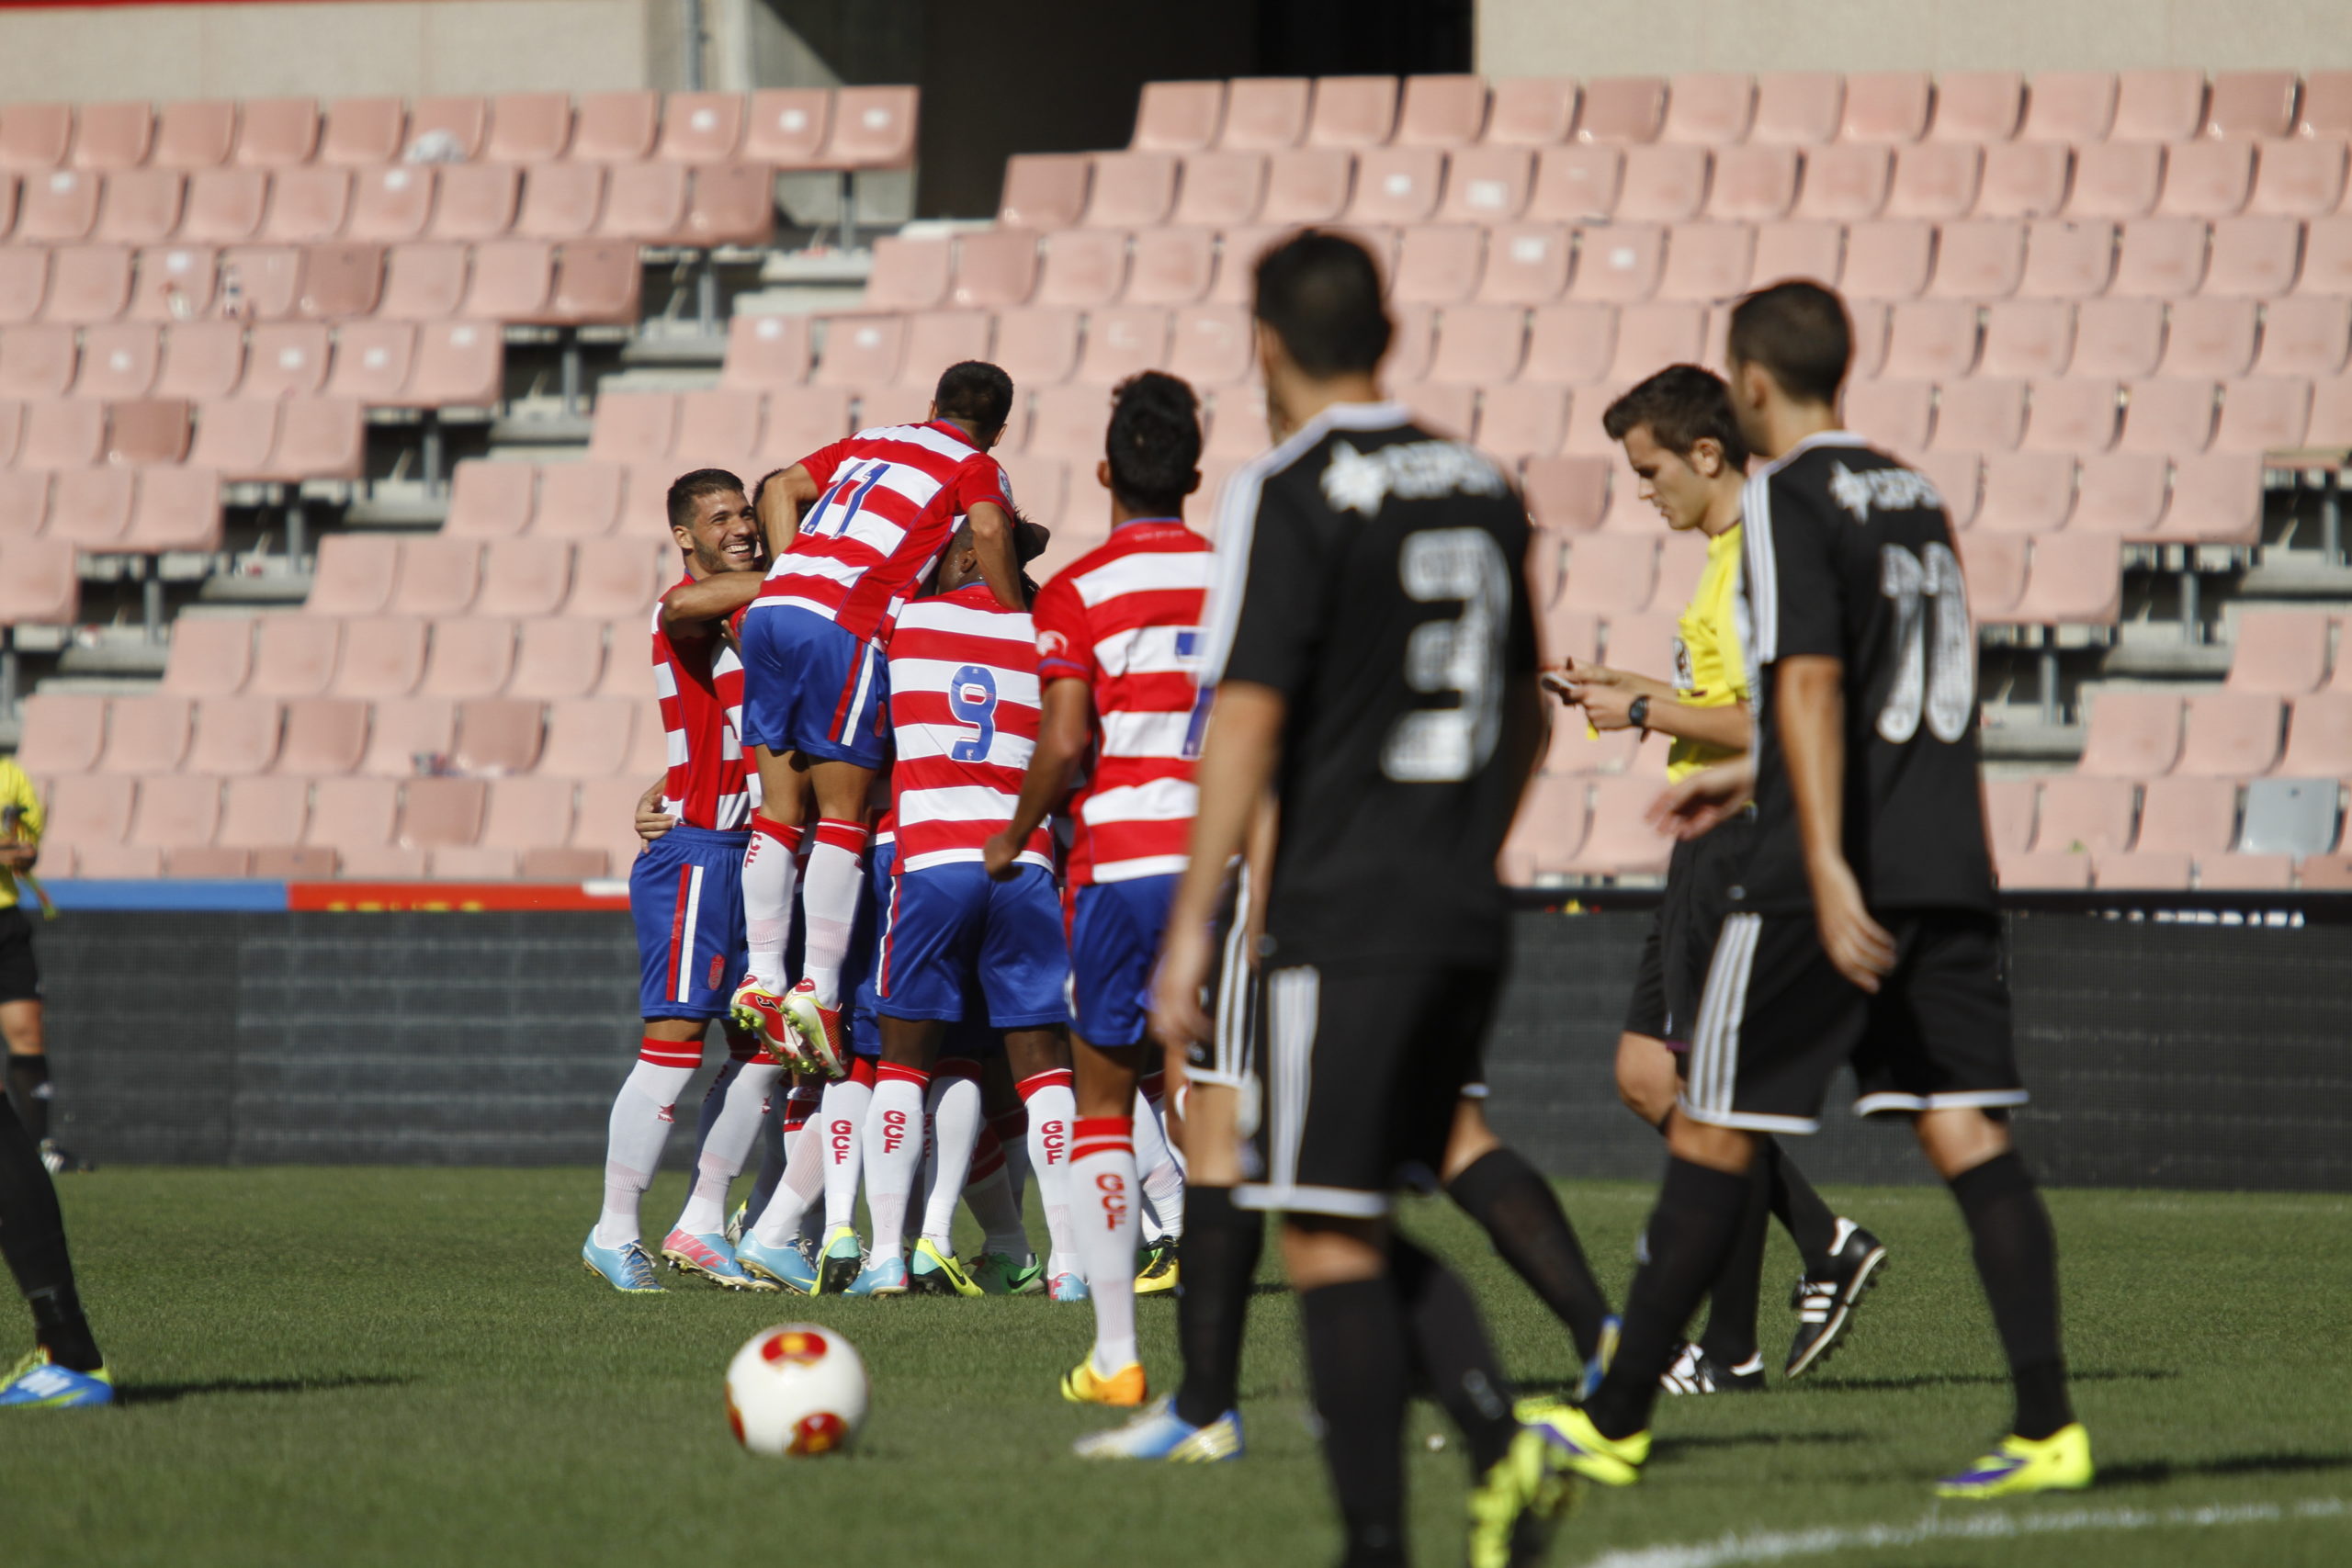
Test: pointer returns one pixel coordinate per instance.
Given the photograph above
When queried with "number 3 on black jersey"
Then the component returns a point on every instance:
(1463, 655)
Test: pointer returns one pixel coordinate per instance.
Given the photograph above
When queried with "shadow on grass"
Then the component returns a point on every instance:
(2160, 1471)
(1668, 1446)
(166, 1393)
(1986, 1379)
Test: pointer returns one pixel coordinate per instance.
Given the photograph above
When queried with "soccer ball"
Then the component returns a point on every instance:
(795, 1389)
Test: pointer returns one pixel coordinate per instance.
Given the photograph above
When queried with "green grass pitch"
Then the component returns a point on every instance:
(408, 1367)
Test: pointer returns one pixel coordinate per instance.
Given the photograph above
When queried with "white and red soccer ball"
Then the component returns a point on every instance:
(796, 1390)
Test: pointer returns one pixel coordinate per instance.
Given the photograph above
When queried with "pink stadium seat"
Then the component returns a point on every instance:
(2122, 495)
(1306, 185)
(406, 732)
(236, 736)
(38, 361)
(1438, 264)
(1479, 345)
(1220, 188)
(2143, 870)
(2117, 179)
(306, 206)
(1264, 113)
(1844, 184)
(12, 428)
(1932, 340)
(2076, 580)
(1047, 190)
(2024, 179)
(91, 507)
(2168, 414)
(1352, 111)
(38, 582)
(2300, 336)
(2253, 257)
(2042, 871)
(2326, 104)
(2070, 107)
(2207, 179)
(634, 426)
(340, 281)
(645, 202)
(715, 429)
(2120, 338)
(521, 578)
(141, 431)
(1652, 336)
(1132, 190)
(498, 735)
(2327, 257)
(1709, 108)
(1451, 411)
(1566, 493)
(362, 132)
(765, 351)
(733, 204)
(352, 817)
(1981, 260)
(787, 126)
(295, 655)
(701, 127)
(2246, 105)
(2009, 814)
(1977, 105)
(63, 436)
(1176, 116)
(1621, 842)
(383, 656)
(2280, 652)
(2067, 260)
(801, 420)
(56, 207)
(177, 509)
(1526, 265)
(269, 277)
(1211, 345)
(1982, 414)
(236, 436)
(1570, 343)
(528, 127)
(522, 813)
(194, 134)
(276, 133)
(2161, 258)
(1707, 262)
(1885, 106)
(356, 573)
(1799, 249)
(1533, 111)
(1396, 185)
(1576, 184)
(2187, 815)
(24, 504)
(1486, 185)
(556, 658)
(1663, 184)
(473, 656)
(35, 136)
(2332, 412)
(1959, 480)
(1609, 574)
(63, 734)
(2025, 492)
(1618, 262)
(458, 365)
(1756, 185)
(286, 360)
(1935, 180)
(91, 819)
(429, 281)
(909, 274)
(452, 124)
(2319, 737)
(1896, 415)
(2157, 106)
(477, 201)
(2216, 499)
(578, 501)
(1122, 340)
(2246, 871)
(2209, 337)
(600, 282)
(2262, 413)
(1888, 260)
(1083, 266)
(2133, 735)
(610, 577)
(560, 201)
(139, 207)
(2230, 735)
(2086, 816)
(211, 655)
(2033, 338)
(1797, 108)
(1549, 830)
(1441, 111)
(2297, 179)
(1621, 110)
(1037, 344)
(861, 351)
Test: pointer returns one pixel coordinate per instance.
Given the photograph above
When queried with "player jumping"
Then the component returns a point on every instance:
(1863, 928)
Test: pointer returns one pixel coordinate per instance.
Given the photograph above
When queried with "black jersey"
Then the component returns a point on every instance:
(1850, 557)
(1374, 575)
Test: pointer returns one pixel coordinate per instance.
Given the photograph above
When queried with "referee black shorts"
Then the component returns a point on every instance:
(1672, 975)
(1777, 1021)
(19, 975)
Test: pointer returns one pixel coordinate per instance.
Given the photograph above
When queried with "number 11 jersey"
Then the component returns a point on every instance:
(1850, 556)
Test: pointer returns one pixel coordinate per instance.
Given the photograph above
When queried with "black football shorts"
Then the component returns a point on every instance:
(1362, 1065)
(1672, 975)
(1228, 1056)
(19, 975)
(1778, 1021)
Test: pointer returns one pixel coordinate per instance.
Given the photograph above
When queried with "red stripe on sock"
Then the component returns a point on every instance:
(850, 836)
(957, 1068)
(892, 1071)
(861, 1071)
(1052, 1078)
(1092, 1135)
(670, 1053)
(781, 832)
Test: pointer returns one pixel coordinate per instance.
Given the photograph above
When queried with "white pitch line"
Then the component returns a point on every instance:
(1775, 1546)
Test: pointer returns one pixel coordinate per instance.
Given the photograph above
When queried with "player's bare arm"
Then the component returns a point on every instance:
(1606, 697)
(992, 538)
(697, 609)
(1236, 765)
(782, 497)
(1810, 698)
(1691, 806)
(1065, 730)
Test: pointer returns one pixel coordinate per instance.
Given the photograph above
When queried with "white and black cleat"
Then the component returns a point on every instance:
(1825, 1302)
(1695, 1371)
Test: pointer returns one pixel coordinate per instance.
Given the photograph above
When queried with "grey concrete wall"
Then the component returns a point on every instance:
(1600, 38)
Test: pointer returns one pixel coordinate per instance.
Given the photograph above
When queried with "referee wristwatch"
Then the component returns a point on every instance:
(1638, 710)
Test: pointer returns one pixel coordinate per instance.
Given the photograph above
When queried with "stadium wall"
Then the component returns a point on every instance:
(2181, 1055)
(1589, 38)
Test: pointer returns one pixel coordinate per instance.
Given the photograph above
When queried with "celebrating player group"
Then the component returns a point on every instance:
(1171, 887)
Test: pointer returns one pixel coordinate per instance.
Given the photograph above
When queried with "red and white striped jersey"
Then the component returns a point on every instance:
(1125, 619)
(964, 711)
(711, 782)
(892, 497)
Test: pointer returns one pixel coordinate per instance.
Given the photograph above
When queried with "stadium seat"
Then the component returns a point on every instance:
(1798, 248)
(1656, 334)
(276, 133)
(1620, 840)
(2150, 871)
(2209, 337)
(2246, 105)
(1179, 116)
(2132, 735)
(194, 134)
(355, 819)
(528, 127)
(1842, 184)
(2086, 816)
(1959, 480)
(1548, 830)
(2074, 414)
(383, 656)
(88, 284)
(713, 429)
(93, 813)
(2032, 338)
(1263, 113)
(1441, 111)
(1396, 186)
(2025, 492)
(645, 202)
(1438, 264)
(1083, 266)
(91, 507)
(2168, 414)
(1797, 108)
(2300, 336)
(523, 813)
(2075, 107)
(1931, 340)
(1663, 184)
(1451, 411)
(2076, 580)
(2253, 257)
(471, 656)
(234, 436)
(1122, 340)
(295, 655)
(119, 359)
(429, 282)
(1486, 185)
(2207, 179)
(2116, 179)
(2157, 106)
(139, 207)
(1709, 108)
(58, 207)
(1570, 345)
(1985, 413)
(2231, 734)
(1132, 190)
(38, 361)
(1935, 180)
(141, 431)
(38, 582)
(363, 131)
(61, 733)
(801, 420)
(2118, 338)
(1889, 260)
(2009, 814)
(1565, 493)
(1047, 190)
(556, 657)
(2187, 816)
(1306, 185)
(1526, 265)
(324, 737)
(211, 656)
(35, 136)
(1756, 185)
(1896, 415)
(1576, 184)
(787, 126)
(1705, 262)
(1977, 105)
(1352, 111)
(1211, 345)
(2121, 494)
(1621, 110)
(1610, 573)
(2287, 817)
(236, 737)
(2319, 737)
(177, 509)
(306, 206)
(701, 127)
(1885, 106)
(2281, 652)
(60, 434)
(588, 737)
(2297, 179)
(476, 202)
(560, 201)
(268, 276)
(609, 578)
(1619, 263)
(1533, 111)
(1221, 188)
(765, 351)
(2160, 258)
(287, 360)
(1038, 344)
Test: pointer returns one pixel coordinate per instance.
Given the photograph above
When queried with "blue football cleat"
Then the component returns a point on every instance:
(625, 1268)
(839, 1262)
(1068, 1288)
(1598, 1368)
(1158, 1432)
(787, 1266)
(709, 1257)
(38, 1384)
(883, 1277)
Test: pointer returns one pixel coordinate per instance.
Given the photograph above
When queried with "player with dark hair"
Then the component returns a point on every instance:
(1118, 643)
(686, 899)
(855, 527)
(1372, 649)
(1863, 927)
(1684, 446)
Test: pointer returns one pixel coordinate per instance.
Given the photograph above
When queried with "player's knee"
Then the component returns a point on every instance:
(1326, 1249)
(1719, 1148)
(1957, 1139)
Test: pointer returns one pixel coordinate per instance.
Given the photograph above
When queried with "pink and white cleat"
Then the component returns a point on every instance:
(761, 1011)
(819, 1030)
(709, 1258)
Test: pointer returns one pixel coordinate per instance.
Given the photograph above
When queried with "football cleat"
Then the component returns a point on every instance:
(787, 1266)
(2059, 1463)
(738, 1224)
(998, 1275)
(1159, 1270)
(883, 1277)
(936, 1273)
(624, 1268)
(839, 1262)
(1158, 1432)
(709, 1257)
(1068, 1288)
(819, 1029)
(1577, 1444)
(38, 1384)
(1515, 1505)
(1612, 1327)
(1083, 1385)
(1695, 1371)
(1825, 1302)
(760, 1010)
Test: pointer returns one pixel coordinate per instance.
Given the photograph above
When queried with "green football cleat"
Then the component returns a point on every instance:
(1160, 1268)
(2059, 1463)
(839, 1262)
(1515, 1505)
(997, 1274)
(936, 1273)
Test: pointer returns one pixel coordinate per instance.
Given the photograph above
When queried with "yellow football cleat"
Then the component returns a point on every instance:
(1083, 1385)
(2059, 1463)
(1577, 1444)
(1159, 1270)
(1515, 1505)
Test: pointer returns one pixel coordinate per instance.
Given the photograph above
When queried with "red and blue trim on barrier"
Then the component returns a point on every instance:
(244, 897)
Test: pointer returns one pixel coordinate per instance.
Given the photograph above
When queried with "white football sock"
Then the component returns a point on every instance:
(769, 873)
(780, 1221)
(1163, 1173)
(1103, 1187)
(1012, 1130)
(1052, 1108)
(955, 1106)
(774, 1154)
(893, 1153)
(743, 1105)
(828, 894)
(987, 1192)
(840, 1127)
(643, 1113)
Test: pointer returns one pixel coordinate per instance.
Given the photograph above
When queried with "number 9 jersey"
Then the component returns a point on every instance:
(1850, 556)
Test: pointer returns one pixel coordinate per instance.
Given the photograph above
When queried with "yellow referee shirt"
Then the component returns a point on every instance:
(16, 790)
(1707, 669)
